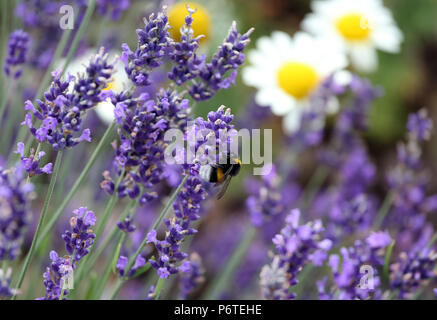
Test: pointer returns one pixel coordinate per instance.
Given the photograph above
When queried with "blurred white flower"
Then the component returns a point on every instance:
(119, 81)
(286, 71)
(359, 26)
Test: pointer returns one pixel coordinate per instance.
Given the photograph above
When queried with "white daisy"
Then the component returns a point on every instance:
(119, 81)
(286, 71)
(360, 26)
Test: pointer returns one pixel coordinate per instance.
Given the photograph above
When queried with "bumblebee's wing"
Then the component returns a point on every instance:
(224, 187)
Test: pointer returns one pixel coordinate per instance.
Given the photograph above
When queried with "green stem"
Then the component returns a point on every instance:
(41, 221)
(78, 182)
(109, 207)
(109, 267)
(144, 242)
(383, 211)
(158, 287)
(117, 288)
(313, 186)
(220, 282)
(3, 42)
(5, 99)
(386, 268)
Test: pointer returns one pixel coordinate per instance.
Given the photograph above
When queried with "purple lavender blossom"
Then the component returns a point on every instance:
(192, 275)
(5, 283)
(61, 113)
(151, 293)
(77, 243)
(55, 275)
(31, 164)
(348, 270)
(41, 17)
(153, 44)
(187, 63)
(143, 123)
(15, 197)
(81, 237)
(126, 225)
(420, 125)
(16, 55)
(347, 216)
(39, 13)
(412, 271)
(114, 7)
(186, 208)
(122, 263)
(267, 202)
(221, 72)
(296, 246)
(408, 184)
(188, 201)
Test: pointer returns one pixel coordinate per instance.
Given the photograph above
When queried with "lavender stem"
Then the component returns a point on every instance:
(33, 246)
(78, 182)
(144, 242)
(220, 282)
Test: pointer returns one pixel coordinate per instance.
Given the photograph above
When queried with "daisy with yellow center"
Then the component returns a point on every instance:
(119, 82)
(287, 71)
(361, 27)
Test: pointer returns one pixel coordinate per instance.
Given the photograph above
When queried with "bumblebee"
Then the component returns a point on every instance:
(221, 174)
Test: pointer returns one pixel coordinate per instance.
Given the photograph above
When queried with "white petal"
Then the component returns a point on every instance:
(291, 122)
(388, 39)
(105, 111)
(364, 58)
(342, 77)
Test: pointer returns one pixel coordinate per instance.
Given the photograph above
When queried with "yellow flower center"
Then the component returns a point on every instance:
(201, 19)
(297, 79)
(109, 85)
(353, 26)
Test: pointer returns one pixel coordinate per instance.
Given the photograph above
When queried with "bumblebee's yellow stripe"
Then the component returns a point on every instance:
(220, 175)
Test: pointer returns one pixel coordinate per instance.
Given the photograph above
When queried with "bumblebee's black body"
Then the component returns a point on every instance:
(218, 172)
(221, 174)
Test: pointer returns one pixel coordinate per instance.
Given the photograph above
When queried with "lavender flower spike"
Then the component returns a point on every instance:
(412, 271)
(153, 43)
(31, 164)
(17, 49)
(187, 205)
(61, 112)
(221, 72)
(192, 275)
(78, 241)
(81, 237)
(187, 63)
(15, 197)
(5, 283)
(296, 246)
